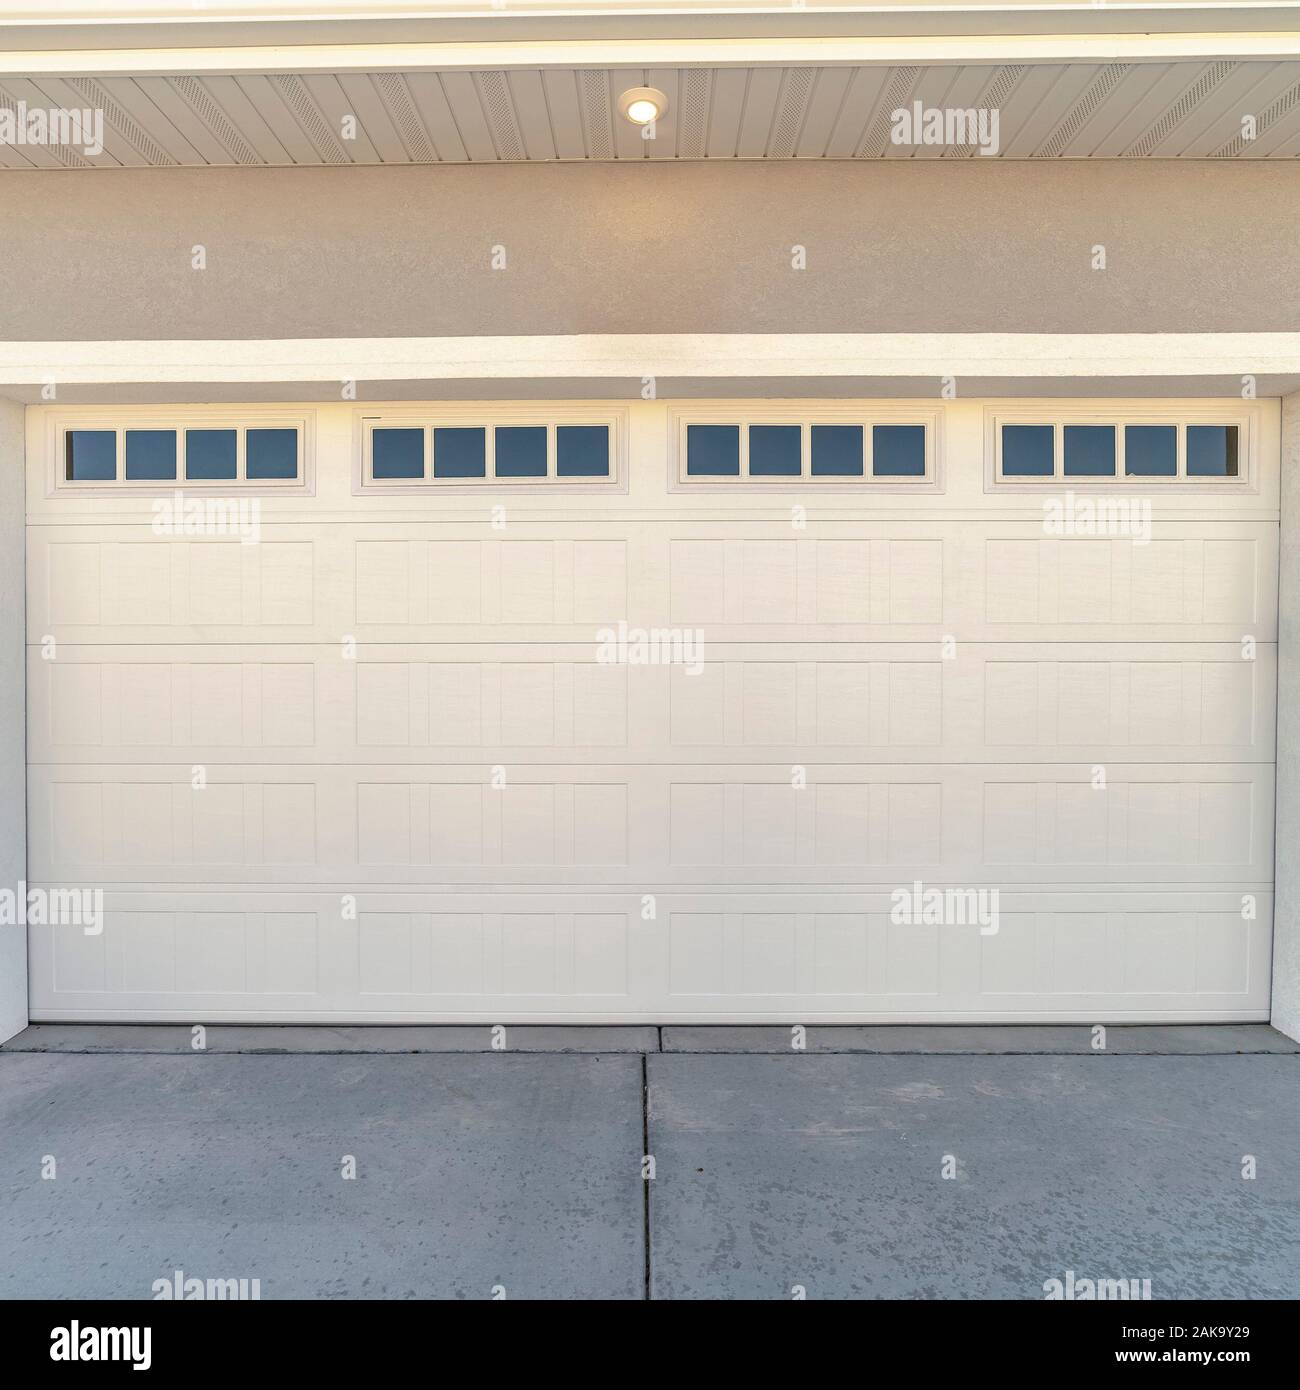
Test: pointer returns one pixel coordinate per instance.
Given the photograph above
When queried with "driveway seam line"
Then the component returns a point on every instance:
(645, 1178)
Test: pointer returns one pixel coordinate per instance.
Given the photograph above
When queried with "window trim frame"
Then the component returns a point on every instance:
(489, 417)
(119, 420)
(1059, 415)
(805, 414)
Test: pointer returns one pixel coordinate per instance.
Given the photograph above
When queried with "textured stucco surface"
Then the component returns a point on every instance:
(921, 246)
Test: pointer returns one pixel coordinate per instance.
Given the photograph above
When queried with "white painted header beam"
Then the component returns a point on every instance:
(624, 356)
(650, 53)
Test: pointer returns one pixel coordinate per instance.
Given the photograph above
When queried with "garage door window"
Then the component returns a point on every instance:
(211, 455)
(521, 451)
(1089, 451)
(1104, 451)
(534, 452)
(90, 456)
(582, 451)
(776, 449)
(397, 453)
(713, 451)
(898, 451)
(1151, 451)
(1211, 451)
(151, 455)
(271, 454)
(1028, 451)
(459, 453)
(206, 453)
(837, 451)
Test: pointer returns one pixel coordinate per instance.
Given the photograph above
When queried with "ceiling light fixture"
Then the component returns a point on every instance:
(642, 105)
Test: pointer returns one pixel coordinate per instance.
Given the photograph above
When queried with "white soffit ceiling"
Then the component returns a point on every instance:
(1103, 110)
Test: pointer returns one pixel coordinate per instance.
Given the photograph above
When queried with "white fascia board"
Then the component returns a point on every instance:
(634, 356)
(651, 53)
(462, 19)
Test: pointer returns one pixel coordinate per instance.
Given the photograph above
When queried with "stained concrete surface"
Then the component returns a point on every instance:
(472, 1172)
(309, 1038)
(986, 1039)
(827, 1173)
(772, 1168)
(976, 1039)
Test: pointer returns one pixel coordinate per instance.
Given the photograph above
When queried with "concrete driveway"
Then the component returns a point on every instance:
(877, 1163)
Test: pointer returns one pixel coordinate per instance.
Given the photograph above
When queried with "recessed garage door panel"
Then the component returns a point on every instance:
(374, 765)
(653, 827)
(850, 701)
(834, 955)
(901, 579)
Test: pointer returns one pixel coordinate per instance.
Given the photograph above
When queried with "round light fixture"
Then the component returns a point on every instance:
(642, 105)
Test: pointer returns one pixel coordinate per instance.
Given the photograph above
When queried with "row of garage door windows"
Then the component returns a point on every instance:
(212, 455)
(1028, 451)
(712, 451)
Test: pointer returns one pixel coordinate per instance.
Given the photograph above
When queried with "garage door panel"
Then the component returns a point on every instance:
(492, 957)
(100, 585)
(1148, 823)
(196, 704)
(1223, 587)
(517, 704)
(901, 580)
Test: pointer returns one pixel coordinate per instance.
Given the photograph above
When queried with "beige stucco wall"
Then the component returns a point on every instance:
(918, 246)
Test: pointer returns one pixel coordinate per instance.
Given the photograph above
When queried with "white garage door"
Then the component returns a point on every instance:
(850, 711)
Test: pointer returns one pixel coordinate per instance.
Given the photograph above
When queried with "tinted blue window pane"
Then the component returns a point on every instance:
(898, 451)
(151, 454)
(271, 454)
(1027, 451)
(837, 451)
(713, 450)
(91, 456)
(397, 453)
(209, 454)
(582, 451)
(1212, 451)
(1090, 451)
(459, 453)
(1151, 451)
(774, 451)
(521, 451)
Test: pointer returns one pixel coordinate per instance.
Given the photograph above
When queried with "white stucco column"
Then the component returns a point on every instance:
(13, 707)
(1286, 933)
